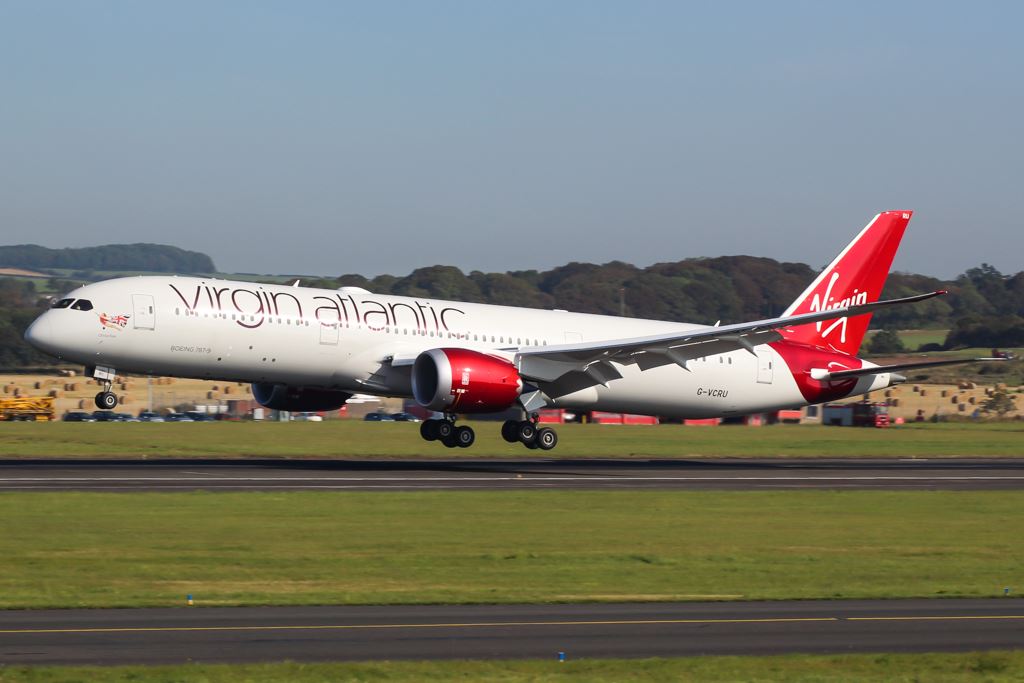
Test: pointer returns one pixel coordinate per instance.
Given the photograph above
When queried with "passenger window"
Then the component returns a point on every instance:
(82, 305)
(63, 303)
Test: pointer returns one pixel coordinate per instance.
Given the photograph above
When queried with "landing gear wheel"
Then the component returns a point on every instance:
(428, 430)
(510, 430)
(450, 441)
(526, 432)
(106, 400)
(464, 436)
(546, 439)
(445, 428)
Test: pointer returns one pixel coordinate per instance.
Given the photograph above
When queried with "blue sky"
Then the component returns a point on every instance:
(328, 137)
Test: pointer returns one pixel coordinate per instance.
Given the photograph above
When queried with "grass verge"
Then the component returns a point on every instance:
(995, 666)
(129, 550)
(356, 439)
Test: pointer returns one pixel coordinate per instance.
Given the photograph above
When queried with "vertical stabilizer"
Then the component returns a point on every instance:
(856, 276)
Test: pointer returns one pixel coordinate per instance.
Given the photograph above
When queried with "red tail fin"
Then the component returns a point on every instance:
(856, 276)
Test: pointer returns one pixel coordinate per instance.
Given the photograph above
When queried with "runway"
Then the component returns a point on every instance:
(495, 631)
(493, 474)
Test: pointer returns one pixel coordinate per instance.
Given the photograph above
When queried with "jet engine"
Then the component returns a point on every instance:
(464, 381)
(297, 399)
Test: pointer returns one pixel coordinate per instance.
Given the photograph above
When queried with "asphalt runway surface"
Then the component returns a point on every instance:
(154, 636)
(492, 474)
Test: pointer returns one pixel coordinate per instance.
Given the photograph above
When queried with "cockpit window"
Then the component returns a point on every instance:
(82, 305)
(63, 303)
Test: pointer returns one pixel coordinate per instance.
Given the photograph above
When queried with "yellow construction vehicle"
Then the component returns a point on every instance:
(28, 408)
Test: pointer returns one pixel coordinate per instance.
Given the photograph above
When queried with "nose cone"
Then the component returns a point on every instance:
(40, 334)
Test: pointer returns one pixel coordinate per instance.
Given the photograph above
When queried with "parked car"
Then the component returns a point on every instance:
(105, 416)
(197, 416)
(78, 416)
(378, 417)
(177, 417)
(307, 417)
(126, 417)
(150, 416)
(405, 417)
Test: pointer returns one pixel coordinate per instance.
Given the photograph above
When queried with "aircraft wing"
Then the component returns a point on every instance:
(591, 362)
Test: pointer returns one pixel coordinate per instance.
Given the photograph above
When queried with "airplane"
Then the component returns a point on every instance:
(310, 350)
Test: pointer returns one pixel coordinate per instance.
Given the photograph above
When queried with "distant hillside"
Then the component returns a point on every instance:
(159, 258)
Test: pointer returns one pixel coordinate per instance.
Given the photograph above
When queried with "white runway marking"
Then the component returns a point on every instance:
(525, 477)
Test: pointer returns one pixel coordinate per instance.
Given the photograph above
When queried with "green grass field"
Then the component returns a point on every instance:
(356, 439)
(913, 339)
(996, 666)
(125, 550)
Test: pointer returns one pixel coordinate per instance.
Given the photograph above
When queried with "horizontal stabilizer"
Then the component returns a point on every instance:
(825, 376)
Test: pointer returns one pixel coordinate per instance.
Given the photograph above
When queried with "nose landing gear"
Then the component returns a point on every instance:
(106, 399)
(447, 432)
(527, 433)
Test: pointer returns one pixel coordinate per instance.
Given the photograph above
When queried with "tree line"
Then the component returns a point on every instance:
(983, 308)
(156, 258)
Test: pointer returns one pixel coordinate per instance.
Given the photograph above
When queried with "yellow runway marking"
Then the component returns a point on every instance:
(499, 624)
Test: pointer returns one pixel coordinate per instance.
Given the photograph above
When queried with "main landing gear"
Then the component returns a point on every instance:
(447, 432)
(527, 433)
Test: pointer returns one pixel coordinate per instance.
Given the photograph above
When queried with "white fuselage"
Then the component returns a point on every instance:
(349, 340)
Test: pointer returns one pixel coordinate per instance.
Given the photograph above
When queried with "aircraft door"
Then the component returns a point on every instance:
(764, 365)
(144, 313)
(329, 333)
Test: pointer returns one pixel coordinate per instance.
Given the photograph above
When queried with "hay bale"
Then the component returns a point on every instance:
(228, 390)
(955, 400)
(54, 393)
(924, 392)
(962, 407)
(895, 403)
(122, 399)
(37, 385)
(916, 389)
(81, 404)
(972, 400)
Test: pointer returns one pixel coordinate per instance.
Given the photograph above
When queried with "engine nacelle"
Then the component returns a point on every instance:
(297, 399)
(464, 381)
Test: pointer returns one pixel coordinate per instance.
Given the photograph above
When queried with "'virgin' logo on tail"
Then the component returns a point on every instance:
(828, 303)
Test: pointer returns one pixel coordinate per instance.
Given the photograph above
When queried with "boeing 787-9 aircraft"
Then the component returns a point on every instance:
(307, 349)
